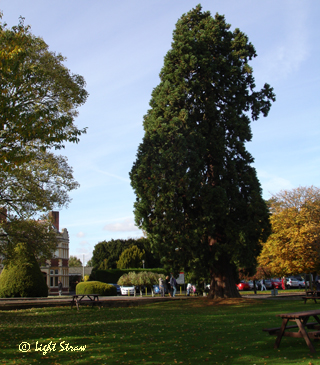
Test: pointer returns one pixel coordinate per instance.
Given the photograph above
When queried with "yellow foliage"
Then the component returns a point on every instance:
(294, 244)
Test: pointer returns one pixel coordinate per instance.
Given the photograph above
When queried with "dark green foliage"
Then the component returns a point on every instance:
(96, 287)
(131, 258)
(22, 277)
(112, 276)
(198, 197)
(106, 253)
(74, 261)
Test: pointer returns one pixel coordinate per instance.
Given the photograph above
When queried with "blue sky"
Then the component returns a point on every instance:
(119, 46)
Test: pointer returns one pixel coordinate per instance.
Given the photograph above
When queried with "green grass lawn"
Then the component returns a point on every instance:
(195, 331)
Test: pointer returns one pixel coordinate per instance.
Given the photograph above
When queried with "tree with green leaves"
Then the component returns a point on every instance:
(39, 97)
(22, 277)
(106, 253)
(33, 187)
(74, 261)
(131, 258)
(197, 194)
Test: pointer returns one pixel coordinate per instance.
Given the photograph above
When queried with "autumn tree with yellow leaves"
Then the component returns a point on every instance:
(294, 244)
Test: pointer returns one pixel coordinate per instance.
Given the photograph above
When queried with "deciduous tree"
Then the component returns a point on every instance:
(39, 97)
(33, 187)
(294, 245)
(74, 261)
(198, 196)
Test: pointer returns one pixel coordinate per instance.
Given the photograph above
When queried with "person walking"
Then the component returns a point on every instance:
(263, 287)
(60, 288)
(318, 288)
(189, 287)
(169, 286)
(173, 284)
(161, 286)
(283, 283)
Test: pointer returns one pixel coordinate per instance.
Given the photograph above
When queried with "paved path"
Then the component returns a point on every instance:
(63, 301)
(121, 301)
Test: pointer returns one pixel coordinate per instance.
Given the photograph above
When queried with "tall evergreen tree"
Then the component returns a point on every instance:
(198, 197)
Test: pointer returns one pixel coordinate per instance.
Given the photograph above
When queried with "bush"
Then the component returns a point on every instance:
(96, 287)
(22, 276)
(147, 279)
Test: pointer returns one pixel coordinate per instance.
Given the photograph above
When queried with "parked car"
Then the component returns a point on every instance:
(268, 284)
(292, 282)
(117, 287)
(126, 289)
(258, 285)
(276, 283)
(301, 282)
(243, 285)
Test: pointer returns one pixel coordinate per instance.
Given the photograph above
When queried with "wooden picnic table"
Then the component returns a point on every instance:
(302, 324)
(311, 294)
(93, 299)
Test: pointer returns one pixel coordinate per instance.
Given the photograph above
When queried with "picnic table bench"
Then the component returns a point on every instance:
(311, 294)
(301, 319)
(93, 299)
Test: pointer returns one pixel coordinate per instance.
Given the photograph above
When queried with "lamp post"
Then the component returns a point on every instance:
(83, 267)
(143, 263)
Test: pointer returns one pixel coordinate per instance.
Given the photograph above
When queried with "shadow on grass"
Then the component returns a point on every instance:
(177, 332)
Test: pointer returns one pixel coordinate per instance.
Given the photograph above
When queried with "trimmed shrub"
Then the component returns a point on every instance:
(22, 276)
(96, 287)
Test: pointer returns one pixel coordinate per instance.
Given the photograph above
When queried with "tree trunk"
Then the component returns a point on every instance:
(223, 284)
(254, 287)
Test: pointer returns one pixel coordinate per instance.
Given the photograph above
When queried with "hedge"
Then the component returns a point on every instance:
(96, 287)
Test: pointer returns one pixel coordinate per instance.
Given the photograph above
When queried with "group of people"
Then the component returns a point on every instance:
(168, 286)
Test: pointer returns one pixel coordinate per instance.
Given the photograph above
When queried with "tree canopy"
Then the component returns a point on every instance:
(131, 258)
(106, 253)
(39, 97)
(294, 244)
(74, 261)
(32, 188)
(198, 197)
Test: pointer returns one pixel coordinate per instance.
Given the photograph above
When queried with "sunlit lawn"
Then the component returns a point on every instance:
(174, 332)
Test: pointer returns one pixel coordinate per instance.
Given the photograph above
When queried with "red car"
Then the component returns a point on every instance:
(243, 286)
(276, 283)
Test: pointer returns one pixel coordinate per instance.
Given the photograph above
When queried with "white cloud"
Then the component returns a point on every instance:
(291, 48)
(80, 234)
(112, 175)
(84, 243)
(272, 184)
(126, 225)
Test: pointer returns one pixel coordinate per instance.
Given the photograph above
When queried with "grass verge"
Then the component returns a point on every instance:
(196, 331)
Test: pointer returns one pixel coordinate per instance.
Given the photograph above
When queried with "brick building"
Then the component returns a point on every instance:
(57, 268)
